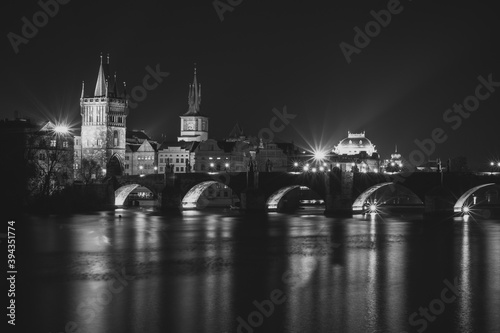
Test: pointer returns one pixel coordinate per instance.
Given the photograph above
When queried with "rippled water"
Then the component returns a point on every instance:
(218, 271)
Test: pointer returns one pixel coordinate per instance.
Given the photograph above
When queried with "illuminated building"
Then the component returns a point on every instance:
(355, 144)
(104, 115)
(356, 153)
(140, 154)
(194, 125)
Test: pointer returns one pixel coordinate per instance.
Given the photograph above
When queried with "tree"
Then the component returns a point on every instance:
(90, 171)
(51, 163)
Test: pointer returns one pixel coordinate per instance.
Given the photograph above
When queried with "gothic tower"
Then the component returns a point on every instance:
(104, 116)
(194, 125)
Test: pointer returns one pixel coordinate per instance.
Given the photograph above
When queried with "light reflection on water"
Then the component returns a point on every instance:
(200, 271)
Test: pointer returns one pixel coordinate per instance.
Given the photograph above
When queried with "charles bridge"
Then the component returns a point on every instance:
(344, 193)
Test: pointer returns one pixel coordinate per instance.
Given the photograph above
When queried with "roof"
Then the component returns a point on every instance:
(236, 132)
(136, 134)
(187, 145)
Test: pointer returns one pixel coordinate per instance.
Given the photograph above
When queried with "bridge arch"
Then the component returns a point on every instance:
(358, 205)
(457, 208)
(274, 199)
(190, 199)
(124, 191)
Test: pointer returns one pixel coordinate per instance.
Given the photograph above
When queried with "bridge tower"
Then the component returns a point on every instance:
(104, 114)
(194, 125)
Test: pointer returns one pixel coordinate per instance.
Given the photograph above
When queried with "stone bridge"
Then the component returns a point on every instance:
(344, 193)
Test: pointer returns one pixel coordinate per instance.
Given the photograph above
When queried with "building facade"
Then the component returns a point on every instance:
(104, 117)
(194, 125)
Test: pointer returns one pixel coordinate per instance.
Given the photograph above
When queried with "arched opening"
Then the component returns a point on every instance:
(134, 195)
(388, 195)
(116, 140)
(114, 166)
(291, 197)
(210, 194)
(482, 195)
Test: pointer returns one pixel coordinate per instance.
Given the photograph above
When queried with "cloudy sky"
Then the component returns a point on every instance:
(397, 86)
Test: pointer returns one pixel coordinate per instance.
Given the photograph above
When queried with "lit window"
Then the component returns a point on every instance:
(52, 143)
(65, 144)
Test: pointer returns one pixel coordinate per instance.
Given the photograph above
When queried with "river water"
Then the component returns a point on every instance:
(219, 271)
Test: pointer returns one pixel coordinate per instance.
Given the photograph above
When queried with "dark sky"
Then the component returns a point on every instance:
(268, 54)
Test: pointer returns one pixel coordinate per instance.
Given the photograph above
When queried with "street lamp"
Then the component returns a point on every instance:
(61, 129)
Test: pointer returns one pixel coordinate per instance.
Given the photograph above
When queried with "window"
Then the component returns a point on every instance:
(41, 157)
(182, 169)
(65, 144)
(99, 142)
(126, 166)
(161, 160)
(177, 169)
(52, 143)
(115, 139)
(226, 194)
(161, 169)
(77, 142)
(182, 160)
(127, 158)
(176, 160)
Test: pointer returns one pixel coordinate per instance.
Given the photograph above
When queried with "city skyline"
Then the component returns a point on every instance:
(271, 66)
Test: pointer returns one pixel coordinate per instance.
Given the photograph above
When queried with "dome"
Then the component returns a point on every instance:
(354, 144)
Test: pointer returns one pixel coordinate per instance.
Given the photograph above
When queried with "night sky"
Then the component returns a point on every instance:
(265, 55)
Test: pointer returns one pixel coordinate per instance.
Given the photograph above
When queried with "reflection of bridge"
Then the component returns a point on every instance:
(343, 193)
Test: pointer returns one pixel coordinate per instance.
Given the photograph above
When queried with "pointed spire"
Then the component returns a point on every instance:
(194, 96)
(100, 85)
(396, 149)
(107, 85)
(108, 59)
(124, 89)
(115, 87)
(83, 90)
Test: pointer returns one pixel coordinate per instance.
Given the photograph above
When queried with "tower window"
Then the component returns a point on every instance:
(115, 139)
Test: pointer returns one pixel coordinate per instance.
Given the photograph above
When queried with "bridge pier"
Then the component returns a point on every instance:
(253, 201)
(439, 202)
(339, 194)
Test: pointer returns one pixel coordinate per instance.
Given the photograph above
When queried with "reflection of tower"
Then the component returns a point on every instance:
(194, 125)
(104, 123)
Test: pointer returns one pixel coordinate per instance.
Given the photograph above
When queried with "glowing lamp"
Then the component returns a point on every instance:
(373, 208)
(295, 164)
(466, 210)
(305, 168)
(319, 155)
(61, 129)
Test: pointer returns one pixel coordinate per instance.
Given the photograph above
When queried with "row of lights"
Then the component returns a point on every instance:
(493, 164)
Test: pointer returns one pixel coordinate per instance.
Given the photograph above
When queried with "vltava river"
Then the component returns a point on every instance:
(218, 271)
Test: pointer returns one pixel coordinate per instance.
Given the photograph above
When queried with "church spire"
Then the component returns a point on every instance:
(83, 90)
(100, 85)
(194, 97)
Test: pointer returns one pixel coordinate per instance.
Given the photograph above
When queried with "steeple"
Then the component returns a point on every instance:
(100, 86)
(83, 90)
(194, 97)
(115, 87)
